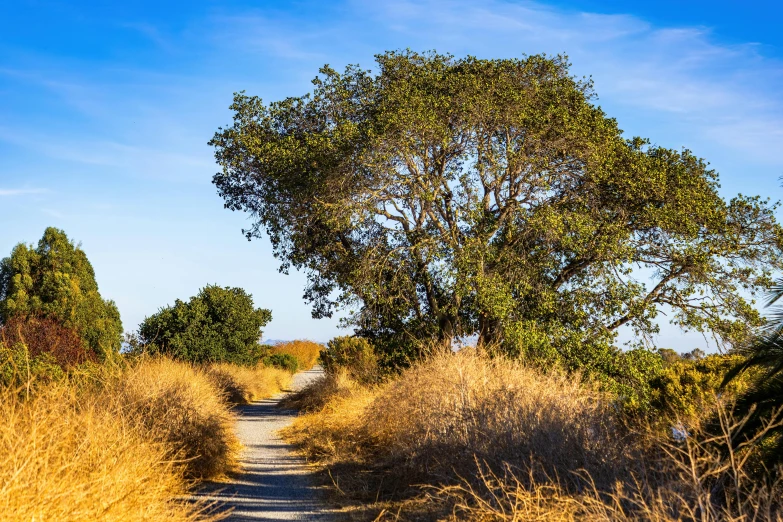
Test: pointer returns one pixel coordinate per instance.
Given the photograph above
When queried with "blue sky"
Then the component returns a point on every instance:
(106, 109)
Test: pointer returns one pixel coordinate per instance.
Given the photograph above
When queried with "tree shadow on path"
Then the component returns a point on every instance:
(274, 482)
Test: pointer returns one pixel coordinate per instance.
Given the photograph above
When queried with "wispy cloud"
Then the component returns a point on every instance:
(128, 125)
(715, 92)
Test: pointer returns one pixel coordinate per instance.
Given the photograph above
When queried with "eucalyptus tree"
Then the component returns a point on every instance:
(440, 196)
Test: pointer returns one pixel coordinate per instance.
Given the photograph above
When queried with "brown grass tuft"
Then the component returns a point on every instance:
(306, 352)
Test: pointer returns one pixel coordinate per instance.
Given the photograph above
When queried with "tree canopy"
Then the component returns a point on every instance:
(441, 196)
(56, 280)
(218, 324)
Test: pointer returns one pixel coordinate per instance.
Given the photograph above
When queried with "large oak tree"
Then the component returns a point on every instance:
(438, 196)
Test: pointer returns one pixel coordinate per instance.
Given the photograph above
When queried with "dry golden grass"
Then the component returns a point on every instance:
(334, 429)
(71, 457)
(306, 352)
(445, 412)
(490, 439)
(456, 407)
(693, 480)
(243, 385)
(177, 405)
(121, 441)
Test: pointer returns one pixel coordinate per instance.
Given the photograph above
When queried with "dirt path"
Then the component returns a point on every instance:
(275, 484)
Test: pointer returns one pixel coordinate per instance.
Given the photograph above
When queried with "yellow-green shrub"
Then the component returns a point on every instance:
(284, 361)
(688, 388)
(354, 354)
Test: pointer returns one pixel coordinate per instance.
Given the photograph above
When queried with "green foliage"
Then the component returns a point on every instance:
(629, 374)
(355, 355)
(56, 280)
(284, 361)
(440, 196)
(20, 369)
(217, 325)
(687, 388)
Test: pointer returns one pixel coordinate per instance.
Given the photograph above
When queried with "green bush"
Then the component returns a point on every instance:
(354, 354)
(284, 361)
(18, 368)
(217, 325)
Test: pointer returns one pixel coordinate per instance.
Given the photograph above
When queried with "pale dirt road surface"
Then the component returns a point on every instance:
(275, 483)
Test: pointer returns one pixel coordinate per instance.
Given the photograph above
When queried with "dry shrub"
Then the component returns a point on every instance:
(306, 352)
(442, 413)
(452, 408)
(177, 405)
(427, 426)
(500, 441)
(243, 384)
(701, 478)
(69, 457)
(41, 335)
(499, 497)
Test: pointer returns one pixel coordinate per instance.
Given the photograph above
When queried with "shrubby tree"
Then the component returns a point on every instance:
(55, 280)
(355, 355)
(441, 197)
(218, 324)
(669, 356)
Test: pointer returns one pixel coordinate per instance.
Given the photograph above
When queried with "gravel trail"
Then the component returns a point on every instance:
(275, 483)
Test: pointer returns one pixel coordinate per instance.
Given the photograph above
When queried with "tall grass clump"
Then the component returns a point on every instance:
(445, 412)
(700, 477)
(305, 352)
(333, 428)
(245, 384)
(497, 440)
(454, 408)
(179, 406)
(70, 456)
